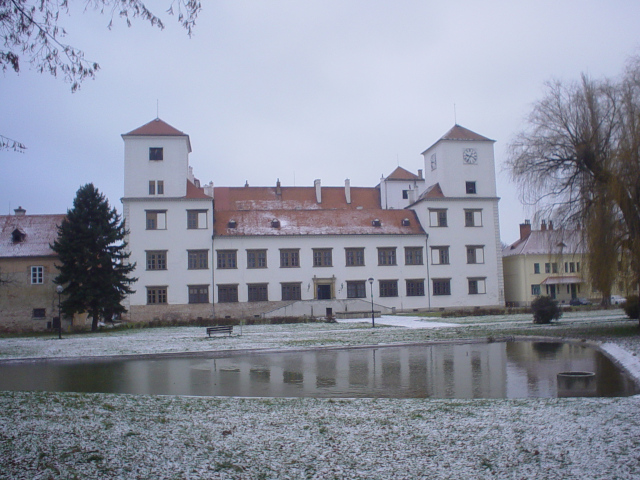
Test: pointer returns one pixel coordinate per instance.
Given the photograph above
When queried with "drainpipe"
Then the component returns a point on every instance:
(428, 259)
(213, 270)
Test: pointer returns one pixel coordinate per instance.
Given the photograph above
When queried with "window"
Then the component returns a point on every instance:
(197, 259)
(475, 254)
(415, 288)
(405, 194)
(356, 289)
(388, 288)
(438, 218)
(386, 255)
(440, 255)
(473, 218)
(198, 293)
(156, 295)
(152, 187)
(554, 267)
(470, 187)
(291, 291)
(227, 293)
(355, 257)
(156, 259)
(156, 153)
(156, 219)
(321, 257)
(536, 268)
(413, 256)
(442, 286)
(39, 313)
(547, 268)
(572, 267)
(196, 219)
(289, 257)
(535, 289)
(160, 187)
(37, 275)
(227, 259)
(477, 286)
(258, 292)
(577, 266)
(256, 259)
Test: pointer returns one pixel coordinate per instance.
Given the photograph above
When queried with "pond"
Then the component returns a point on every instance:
(468, 370)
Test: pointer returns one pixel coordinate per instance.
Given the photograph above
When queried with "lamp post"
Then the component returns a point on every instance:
(59, 289)
(373, 321)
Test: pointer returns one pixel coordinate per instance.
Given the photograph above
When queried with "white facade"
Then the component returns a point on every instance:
(238, 252)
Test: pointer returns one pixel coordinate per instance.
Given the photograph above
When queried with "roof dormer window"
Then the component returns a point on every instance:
(17, 235)
(232, 224)
(376, 222)
(406, 222)
(275, 223)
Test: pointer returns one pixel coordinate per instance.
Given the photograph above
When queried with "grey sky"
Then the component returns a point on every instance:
(302, 90)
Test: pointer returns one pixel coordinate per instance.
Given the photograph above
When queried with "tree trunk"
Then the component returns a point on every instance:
(95, 317)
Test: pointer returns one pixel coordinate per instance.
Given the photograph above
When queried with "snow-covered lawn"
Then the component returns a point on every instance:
(69, 435)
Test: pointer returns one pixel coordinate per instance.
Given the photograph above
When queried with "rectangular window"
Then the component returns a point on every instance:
(196, 219)
(415, 288)
(386, 255)
(322, 257)
(227, 259)
(572, 267)
(356, 289)
(475, 254)
(152, 187)
(156, 219)
(577, 266)
(256, 259)
(413, 256)
(547, 268)
(355, 257)
(291, 291)
(442, 286)
(227, 293)
(440, 255)
(156, 295)
(477, 286)
(535, 289)
(438, 218)
(197, 259)
(198, 293)
(470, 187)
(39, 313)
(160, 187)
(258, 292)
(156, 259)
(473, 218)
(405, 194)
(388, 288)
(554, 267)
(536, 268)
(289, 257)
(156, 153)
(37, 275)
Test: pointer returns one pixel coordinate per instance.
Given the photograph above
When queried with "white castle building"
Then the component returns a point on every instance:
(411, 243)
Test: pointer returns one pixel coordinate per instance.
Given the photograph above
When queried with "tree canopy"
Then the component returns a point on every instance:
(578, 159)
(93, 259)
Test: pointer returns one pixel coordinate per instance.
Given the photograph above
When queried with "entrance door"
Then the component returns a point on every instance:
(324, 292)
(574, 292)
(552, 291)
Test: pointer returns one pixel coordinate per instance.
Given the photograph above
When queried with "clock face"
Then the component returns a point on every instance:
(434, 162)
(470, 155)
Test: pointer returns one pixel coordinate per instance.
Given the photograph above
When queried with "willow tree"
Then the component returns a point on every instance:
(578, 160)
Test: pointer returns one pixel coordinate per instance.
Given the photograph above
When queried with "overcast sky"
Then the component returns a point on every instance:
(299, 90)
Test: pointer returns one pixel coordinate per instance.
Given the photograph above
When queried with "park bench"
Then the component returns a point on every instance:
(220, 329)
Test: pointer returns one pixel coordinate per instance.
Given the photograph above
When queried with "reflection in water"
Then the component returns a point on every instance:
(473, 370)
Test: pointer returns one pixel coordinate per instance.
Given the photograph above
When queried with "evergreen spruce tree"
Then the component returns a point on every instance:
(93, 261)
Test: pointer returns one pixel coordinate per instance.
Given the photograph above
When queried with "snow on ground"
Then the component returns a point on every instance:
(403, 321)
(70, 435)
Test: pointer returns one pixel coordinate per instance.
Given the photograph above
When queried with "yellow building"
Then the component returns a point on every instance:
(545, 262)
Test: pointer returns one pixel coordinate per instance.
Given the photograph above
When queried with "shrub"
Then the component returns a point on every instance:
(545, 309)
(631, 307)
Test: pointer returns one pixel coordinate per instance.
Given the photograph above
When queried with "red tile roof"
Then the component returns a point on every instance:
(434, 191)
(458, 132)
(39, 232)
(402, 174)
(547, 242)
(156, 127)
(195, 192)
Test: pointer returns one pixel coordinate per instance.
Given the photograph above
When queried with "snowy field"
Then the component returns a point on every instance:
(68, 435)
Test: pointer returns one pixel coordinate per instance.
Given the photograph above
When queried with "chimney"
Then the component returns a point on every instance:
(316, 184)
(420, 172)
(347, 190)
(525, 229)
(411, 195)
(278, 188)
(550, 224)
(208, 189)
(543, 225)
(20, 212)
